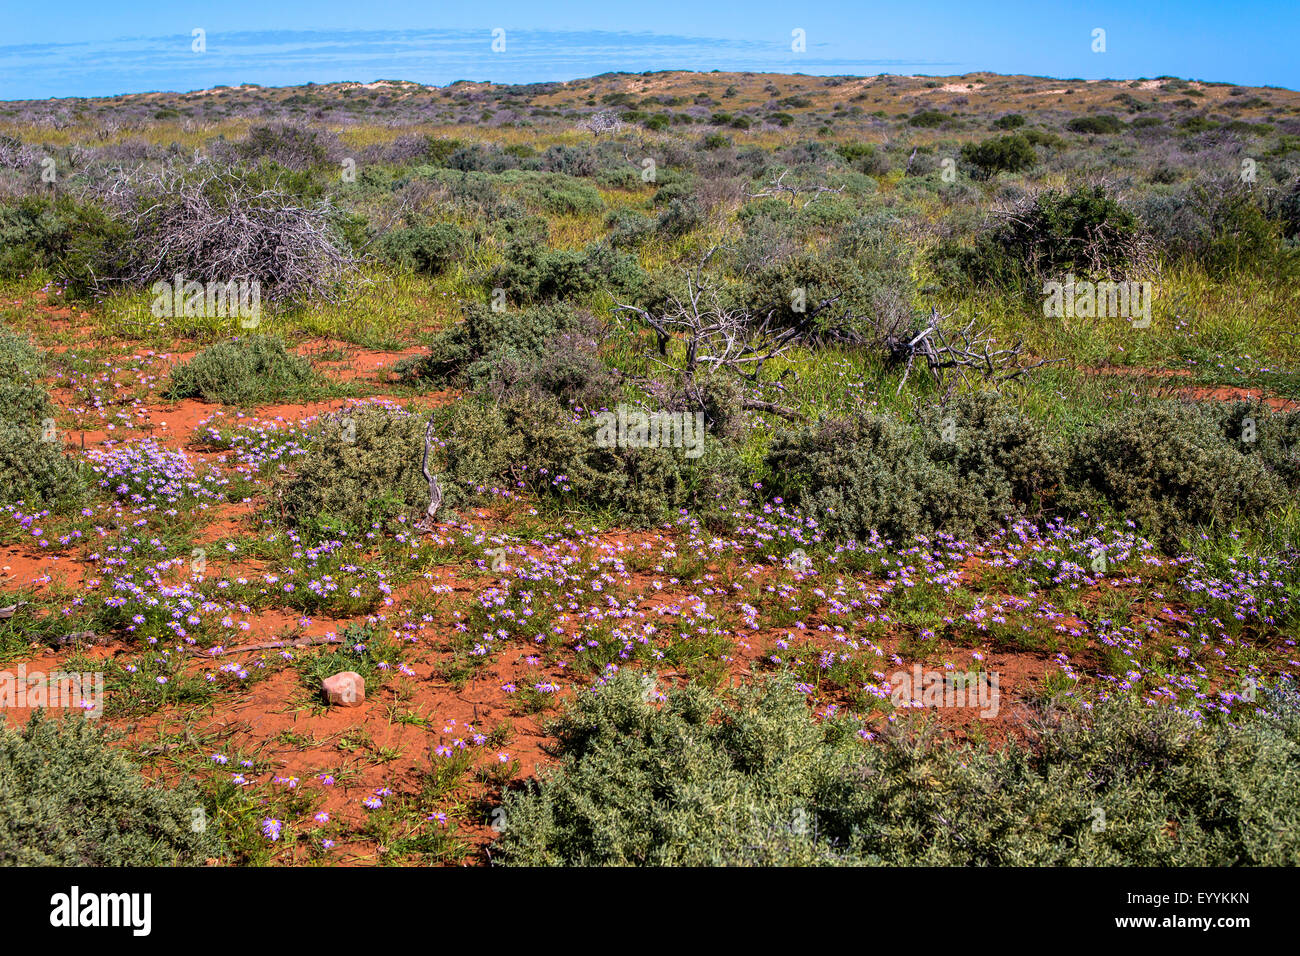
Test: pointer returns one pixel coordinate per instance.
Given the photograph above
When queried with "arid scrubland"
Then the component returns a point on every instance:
(693, 468)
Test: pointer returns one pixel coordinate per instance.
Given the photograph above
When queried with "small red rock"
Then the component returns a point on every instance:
(345, 689)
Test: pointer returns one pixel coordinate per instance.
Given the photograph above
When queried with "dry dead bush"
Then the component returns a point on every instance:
(215, 224)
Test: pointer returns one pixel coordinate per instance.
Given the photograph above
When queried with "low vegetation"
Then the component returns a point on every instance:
(634, 439)
(70, 798)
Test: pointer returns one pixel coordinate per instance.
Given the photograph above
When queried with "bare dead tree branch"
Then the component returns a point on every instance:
(789, 414)
(213, 224)
(280, 645)
(953, 353)
(716, 335)
(435, 490)
(778, 187)
(602, 121)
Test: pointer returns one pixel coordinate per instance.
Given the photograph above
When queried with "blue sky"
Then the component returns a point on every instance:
(103, 47)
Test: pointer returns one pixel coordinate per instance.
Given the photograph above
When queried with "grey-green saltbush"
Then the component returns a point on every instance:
(754, 780)
(860, 474)
(428, 250)
(68, 798)
(364, 465)
(359, 466)
(33, 468)
(36, 472)
(963, 470)
(23, 400)
(1171, 468)
(469, 348)
(247, 370)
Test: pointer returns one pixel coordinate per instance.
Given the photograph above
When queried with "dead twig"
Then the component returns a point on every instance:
(778, 186)
(278, 645)
(435, 490)
(951, 353)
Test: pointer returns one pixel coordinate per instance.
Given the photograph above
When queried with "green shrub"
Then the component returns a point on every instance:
(864, 158)
(875, 245)
(479, 449)
(679, 218)
(1010, 154)
(759, 215)
(1170, 468)
(672, 188)
(294, 147)
(37, 472)
(1042, 137)
(33, 470)
(1287, 211)
(859, 475)
(971, 465)
(1009, 121)
(482, 158)
(359, 466)
(248, 370)
(78, 243)
(471, 349)
(639, 485)
(364, 465)
(437, 150)
(1102, 123)
(1241, 238)
(627, 227)
(18, 354)
(864, 261)
(555, 193)
(24, 402)
(532, 273)
(754, 780)
(718, 396)
(569, 370)
(829, 213)
(1004, 462)
(928, 118)
(533, 442)
(1085, 232)
(1131, 102)
(427, 250)
(1220, 225)
(572, 199)
(576, 161)
(1253, 428)
(68, 798)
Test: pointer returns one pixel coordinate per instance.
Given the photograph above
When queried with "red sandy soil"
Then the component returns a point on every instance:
(1218, 393)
